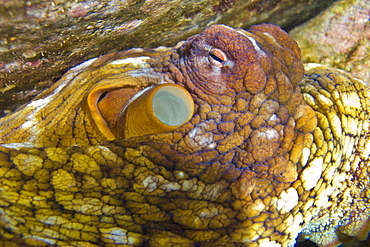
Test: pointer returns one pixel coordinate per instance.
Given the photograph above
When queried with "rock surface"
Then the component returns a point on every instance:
(40, 40)
(339, 37)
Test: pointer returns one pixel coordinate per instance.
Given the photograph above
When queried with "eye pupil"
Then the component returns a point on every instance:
(216, 58)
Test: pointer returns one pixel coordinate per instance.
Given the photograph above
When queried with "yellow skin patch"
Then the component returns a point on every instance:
(272, 151)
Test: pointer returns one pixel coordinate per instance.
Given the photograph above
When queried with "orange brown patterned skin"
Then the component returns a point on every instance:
(271, 152)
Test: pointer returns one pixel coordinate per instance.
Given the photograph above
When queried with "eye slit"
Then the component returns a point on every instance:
(217, 57)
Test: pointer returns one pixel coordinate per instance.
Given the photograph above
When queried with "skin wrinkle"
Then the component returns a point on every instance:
(272, 151)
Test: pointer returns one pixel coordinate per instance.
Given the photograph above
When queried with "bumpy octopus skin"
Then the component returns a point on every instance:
(272, 151)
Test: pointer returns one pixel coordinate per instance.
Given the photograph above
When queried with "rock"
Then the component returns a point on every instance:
(339, 37)
(40, 40)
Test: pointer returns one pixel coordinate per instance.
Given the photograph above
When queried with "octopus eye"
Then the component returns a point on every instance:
(217, 57)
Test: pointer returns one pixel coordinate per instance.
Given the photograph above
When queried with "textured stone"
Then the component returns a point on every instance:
(40, 40)
(339, 37)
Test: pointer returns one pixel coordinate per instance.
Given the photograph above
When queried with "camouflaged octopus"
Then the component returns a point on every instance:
(253, 149)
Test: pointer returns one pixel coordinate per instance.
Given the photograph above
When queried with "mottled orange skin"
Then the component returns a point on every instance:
(261, 160)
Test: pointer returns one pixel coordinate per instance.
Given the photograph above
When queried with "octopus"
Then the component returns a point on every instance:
(225, 139)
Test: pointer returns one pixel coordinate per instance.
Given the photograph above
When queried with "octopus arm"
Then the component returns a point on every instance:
(341, 191)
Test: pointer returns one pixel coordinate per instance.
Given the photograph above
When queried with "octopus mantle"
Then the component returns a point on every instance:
(270, 151)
